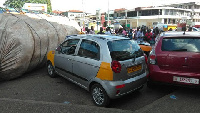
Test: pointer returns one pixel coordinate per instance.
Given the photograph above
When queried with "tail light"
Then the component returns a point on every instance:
(120, 86)
(116, 66)
(152, 59)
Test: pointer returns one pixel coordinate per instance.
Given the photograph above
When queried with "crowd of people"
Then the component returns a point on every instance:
(140, 34)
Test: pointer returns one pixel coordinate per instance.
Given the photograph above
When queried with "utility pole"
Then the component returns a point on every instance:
(83, 14)
(108, 14)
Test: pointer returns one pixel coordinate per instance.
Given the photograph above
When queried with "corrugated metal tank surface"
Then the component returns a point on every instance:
(25, 42)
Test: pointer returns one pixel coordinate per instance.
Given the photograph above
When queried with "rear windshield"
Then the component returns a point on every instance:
(124, 49)
(181, 44)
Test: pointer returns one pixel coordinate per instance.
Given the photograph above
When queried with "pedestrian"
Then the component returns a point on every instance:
(87, 30)
(101, 31)
(124, 32)
(148, 36)
(190, 29)
(136, 32)
(144, 31)
(130, 34)
(107, 31)
(92, 30)
(139, 35)
(81, 32)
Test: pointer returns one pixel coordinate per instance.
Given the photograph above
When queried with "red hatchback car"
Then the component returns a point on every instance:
(175, 59)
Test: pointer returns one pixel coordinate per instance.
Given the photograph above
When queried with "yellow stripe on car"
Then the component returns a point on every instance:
(50, 56)
(105, 72)
(145, 48)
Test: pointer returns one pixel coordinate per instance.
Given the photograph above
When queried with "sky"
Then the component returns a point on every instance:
(91, 6)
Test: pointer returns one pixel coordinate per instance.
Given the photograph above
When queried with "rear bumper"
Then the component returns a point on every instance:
(131, 85)
(166, 76)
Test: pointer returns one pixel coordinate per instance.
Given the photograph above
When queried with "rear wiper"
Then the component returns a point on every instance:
(180, 50)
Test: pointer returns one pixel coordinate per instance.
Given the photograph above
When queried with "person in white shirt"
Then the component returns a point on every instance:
(92, 30)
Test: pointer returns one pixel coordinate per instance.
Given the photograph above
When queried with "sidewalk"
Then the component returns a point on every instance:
(29, 106)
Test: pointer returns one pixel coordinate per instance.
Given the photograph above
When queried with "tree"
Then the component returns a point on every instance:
(18, 4)
(49, 9)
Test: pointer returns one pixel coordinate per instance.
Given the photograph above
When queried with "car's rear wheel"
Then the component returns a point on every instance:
(51, 70)
(99, 96)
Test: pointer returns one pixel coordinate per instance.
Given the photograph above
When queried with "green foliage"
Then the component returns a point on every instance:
(14, 3)
(19, 3)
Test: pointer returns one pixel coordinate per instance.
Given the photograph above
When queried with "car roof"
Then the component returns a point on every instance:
(97, 37)
(181, 34)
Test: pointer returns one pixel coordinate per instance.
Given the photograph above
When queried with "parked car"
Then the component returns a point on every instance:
(175, 59)
(107, 66)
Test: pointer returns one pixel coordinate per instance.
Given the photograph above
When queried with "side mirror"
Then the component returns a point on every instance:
(58, 49)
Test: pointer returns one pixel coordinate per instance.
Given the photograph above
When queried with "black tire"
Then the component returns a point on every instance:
(51, 70)
(99, 96)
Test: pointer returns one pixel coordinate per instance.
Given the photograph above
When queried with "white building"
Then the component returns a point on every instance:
(168, 14)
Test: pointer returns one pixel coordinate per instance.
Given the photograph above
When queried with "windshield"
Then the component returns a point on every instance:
(181, 44)
(124, 49)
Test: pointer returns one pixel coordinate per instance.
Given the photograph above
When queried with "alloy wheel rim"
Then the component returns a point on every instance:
(98, 96)
(50, 69)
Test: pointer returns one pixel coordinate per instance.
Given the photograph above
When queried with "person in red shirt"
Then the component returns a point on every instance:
(148, 35)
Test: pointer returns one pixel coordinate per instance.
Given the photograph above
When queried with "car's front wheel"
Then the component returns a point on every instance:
(99, 96)
(50, 70)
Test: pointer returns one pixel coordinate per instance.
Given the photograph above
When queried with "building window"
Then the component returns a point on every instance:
(132, 14)
(174, 21)
(165, 21)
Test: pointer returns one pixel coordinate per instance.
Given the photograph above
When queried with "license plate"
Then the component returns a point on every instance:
(134, 68)
(186, 80)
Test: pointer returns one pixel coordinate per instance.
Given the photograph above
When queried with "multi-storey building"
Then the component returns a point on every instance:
(167, 14)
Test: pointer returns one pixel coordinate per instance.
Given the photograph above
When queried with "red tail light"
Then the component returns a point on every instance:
(116, 66)
(153, 57)
(120, 86)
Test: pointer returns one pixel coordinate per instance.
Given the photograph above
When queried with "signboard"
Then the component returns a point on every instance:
(35, 7)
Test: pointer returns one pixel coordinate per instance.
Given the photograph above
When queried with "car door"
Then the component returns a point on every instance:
(87, 62)
(64, 56)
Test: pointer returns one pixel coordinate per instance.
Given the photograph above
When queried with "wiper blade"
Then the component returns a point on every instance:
(180, 50)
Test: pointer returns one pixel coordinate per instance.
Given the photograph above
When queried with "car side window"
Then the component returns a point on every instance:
(69, 46)
(89, 49)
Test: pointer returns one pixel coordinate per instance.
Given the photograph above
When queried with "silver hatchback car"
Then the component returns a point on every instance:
(107, 66)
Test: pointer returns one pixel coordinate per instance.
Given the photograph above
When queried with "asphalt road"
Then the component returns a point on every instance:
(37, 86)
